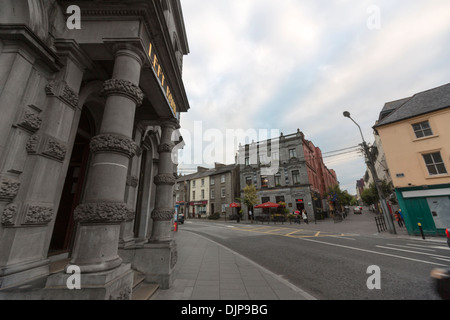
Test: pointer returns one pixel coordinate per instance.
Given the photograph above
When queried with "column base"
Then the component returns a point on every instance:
(157, 262)
(161, 231)
(113, 284)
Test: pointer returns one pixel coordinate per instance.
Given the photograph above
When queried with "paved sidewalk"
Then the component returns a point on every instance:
(207, 270)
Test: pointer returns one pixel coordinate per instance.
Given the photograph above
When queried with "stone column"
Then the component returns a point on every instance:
(164, 211)
(157, 258)
(104, 208)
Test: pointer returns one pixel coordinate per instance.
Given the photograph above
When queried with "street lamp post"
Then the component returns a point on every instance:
(371, 166)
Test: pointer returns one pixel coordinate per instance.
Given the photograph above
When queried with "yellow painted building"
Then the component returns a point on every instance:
(415, 133)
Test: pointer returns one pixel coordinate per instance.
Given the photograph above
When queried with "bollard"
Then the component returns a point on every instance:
(421, 230)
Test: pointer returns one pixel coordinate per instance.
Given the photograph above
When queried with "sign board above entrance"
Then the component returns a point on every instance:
(157, 68)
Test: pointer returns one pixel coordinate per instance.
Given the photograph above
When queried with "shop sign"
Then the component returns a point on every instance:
(198, 203)
(157, 68)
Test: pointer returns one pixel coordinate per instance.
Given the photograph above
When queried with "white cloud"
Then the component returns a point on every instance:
(299, 64)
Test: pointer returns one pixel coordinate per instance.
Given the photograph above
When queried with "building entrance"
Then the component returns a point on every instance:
(64, 229)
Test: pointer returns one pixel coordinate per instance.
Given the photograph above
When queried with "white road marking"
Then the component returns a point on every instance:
(374, 252)
(409, 247)
(416, 252)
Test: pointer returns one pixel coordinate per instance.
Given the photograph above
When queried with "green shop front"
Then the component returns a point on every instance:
(428, 206)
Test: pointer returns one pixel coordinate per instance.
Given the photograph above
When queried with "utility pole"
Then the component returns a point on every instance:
(378, 183)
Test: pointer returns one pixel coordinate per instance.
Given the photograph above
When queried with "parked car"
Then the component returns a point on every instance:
(357, 210)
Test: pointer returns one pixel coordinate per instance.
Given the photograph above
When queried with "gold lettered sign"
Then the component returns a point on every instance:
(162, 79)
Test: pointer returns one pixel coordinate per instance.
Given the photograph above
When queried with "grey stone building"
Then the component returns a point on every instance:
(281, 172)
(224, 189)
(91, 93)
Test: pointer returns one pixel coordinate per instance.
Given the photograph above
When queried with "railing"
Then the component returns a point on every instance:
(381, 223)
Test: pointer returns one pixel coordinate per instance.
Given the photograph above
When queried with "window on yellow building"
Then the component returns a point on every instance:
(422, 129)
(434, 163)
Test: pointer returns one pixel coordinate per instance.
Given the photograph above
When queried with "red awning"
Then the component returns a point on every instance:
(267, 205)
(235, 205)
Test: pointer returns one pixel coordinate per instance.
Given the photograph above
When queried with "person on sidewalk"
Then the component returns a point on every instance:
(398, 218)
(297, 216)
(304, 216)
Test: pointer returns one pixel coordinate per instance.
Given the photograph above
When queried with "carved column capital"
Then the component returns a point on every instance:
(165, 147)
(123, 87)
(103, 212)
(165, 179)
(163, 214)
(114, 143)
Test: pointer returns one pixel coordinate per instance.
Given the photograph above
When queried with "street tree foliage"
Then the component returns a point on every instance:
(342, 196)
(250, 198)
(370, 195)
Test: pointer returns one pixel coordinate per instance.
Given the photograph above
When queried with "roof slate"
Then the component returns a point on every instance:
(421, 103)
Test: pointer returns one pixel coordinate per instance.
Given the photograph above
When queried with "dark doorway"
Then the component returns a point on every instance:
(64, 228)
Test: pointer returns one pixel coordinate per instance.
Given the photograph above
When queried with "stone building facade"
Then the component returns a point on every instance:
(224, 189)
(208, 191)
(89, 121)
(287, 169)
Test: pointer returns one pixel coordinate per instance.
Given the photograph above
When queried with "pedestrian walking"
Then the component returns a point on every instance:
(297, 216)
(304, 216)
(250, 213)
(398, 219)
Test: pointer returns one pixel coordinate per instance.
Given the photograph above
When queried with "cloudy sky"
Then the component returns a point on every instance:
(268, 65)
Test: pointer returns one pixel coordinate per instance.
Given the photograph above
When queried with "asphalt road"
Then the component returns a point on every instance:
(331, 264)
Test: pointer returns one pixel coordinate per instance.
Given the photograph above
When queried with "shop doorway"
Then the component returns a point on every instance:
(64, 229)
(300, 206)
